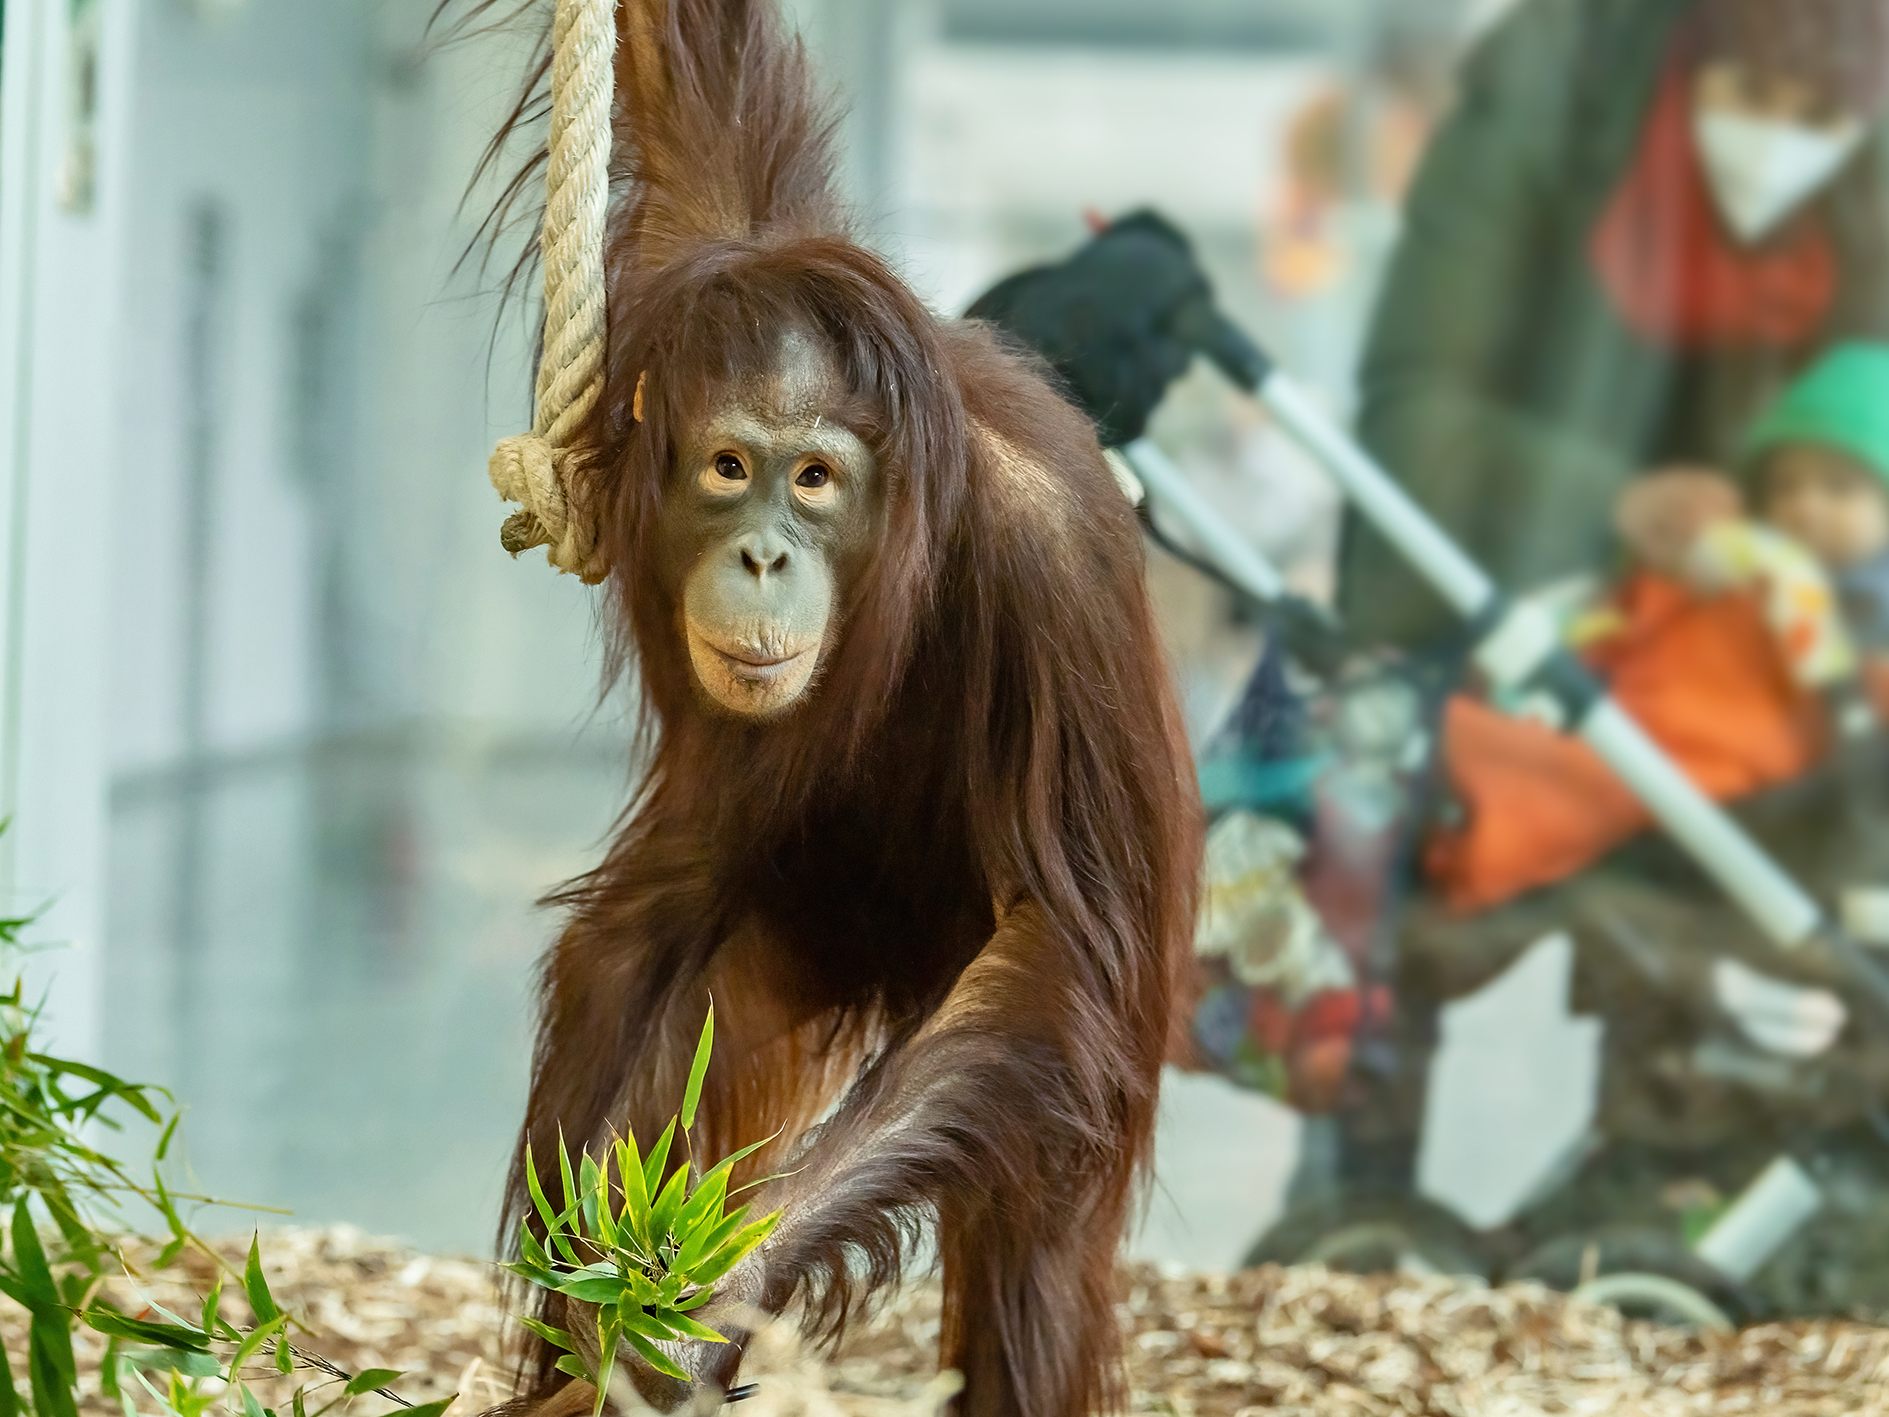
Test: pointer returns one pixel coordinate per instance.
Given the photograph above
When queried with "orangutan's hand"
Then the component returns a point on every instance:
(711, 1367)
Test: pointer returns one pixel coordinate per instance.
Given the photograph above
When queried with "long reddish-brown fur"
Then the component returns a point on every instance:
(952, 888)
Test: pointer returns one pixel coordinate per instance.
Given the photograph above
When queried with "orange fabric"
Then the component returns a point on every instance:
(1703, 676)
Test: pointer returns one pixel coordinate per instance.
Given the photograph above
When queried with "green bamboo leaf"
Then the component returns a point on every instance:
(430, 1409)
(687, 1327)
(191, 1365)
(735, 1158)
(698, 1070)
(572, 1196)
(589, 1290)
(81, 1243)
(370, 1380)
(116, 1325)
(530, 1249)
(703, 1243)
(9, 1392)
(600, 1269)
(630, 1166)
(166, 1207)
(170, 1317)
(556, 1337)
(657, 1166)
(254, 1339)
(49, 1360)
(256, 1283)
(29, 1259)
(170, 1131)
(539, 1202)
(173, 1399)
(587, 1173)
(704, 1204)
(663, 1213)
(654, 1356)
(645, 1322)
(573, 1366)
(541, 1276)
(108, 1084)
(738, 1246)
(603, 1226)
(760, 1181)
(554, 1234)
(111, 1370)
(606, 1361)
(251, 1407)
(694, 1301)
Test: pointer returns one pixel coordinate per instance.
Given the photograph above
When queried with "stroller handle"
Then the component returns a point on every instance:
(1772, 898)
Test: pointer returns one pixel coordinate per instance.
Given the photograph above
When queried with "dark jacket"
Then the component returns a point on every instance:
(1499, 385)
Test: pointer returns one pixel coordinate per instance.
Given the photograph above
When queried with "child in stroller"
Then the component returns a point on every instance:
(1724, 642)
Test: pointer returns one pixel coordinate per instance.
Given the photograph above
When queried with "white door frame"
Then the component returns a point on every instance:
(58, 291)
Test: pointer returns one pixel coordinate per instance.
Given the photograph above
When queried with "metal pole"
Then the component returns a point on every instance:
(1238, 560)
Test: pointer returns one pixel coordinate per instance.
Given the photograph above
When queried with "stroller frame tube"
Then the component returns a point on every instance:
(1225, 549)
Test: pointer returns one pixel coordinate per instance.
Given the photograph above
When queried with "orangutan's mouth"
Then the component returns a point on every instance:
(758, 666)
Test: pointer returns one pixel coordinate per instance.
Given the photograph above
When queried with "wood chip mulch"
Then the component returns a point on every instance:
(1270, 1341)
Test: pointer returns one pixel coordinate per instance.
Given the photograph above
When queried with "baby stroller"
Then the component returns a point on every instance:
(1327, 991)
(1691, 945)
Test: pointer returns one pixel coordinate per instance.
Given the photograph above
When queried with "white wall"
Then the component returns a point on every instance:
(59, 300)
(1103, 130)
(342, 572)
(244, 146)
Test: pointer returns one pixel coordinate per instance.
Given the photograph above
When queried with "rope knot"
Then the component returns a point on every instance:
(545, 480)
(544, 471)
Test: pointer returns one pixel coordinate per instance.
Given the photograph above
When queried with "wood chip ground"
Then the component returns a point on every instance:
(1300, 1342)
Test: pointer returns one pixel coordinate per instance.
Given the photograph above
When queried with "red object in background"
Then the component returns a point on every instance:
(1336, 1013)
(1271, 1023)
(1315, 1041)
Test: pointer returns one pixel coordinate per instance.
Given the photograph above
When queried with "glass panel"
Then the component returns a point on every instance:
(1600, 286)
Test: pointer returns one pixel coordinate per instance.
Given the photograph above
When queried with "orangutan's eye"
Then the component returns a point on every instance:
(814, 475)
(729, 466)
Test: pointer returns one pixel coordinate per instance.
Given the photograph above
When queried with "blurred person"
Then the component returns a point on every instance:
(1642, 218)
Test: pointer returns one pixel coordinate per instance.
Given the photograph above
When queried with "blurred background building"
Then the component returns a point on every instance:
(288, 744)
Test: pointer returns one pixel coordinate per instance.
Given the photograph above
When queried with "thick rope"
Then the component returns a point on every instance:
(544, 471)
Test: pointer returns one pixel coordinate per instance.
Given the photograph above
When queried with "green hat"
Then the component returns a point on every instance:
(1842, 402)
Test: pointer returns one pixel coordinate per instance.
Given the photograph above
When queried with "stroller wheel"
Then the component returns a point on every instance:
(1645, 1273)
(1372, 1233)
